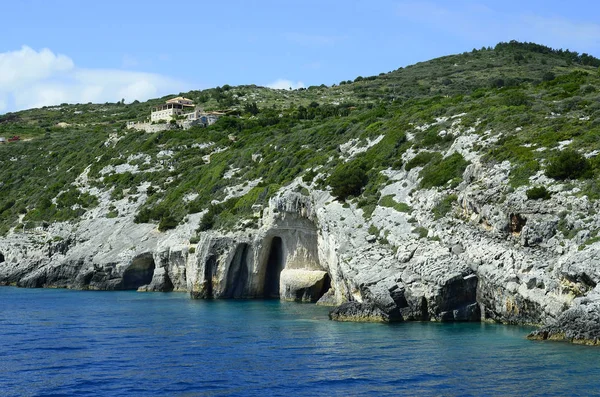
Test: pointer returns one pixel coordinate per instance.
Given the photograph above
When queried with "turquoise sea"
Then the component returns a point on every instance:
(63, 343)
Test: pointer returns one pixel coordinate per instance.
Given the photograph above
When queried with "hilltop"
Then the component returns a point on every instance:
(464, 187)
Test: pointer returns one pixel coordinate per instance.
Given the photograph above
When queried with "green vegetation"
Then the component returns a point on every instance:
(388, 201)
(568, 164)
(421, 159)
(444, 206)
(538, 193)
(373, 230)
(438, 173)
(421, 231)
(348, 180)
(528, 98)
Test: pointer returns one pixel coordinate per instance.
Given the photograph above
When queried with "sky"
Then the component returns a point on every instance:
(59, 51)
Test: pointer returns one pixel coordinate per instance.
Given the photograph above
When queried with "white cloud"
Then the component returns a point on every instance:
(22, 67)
(283, 84)
(30, 78)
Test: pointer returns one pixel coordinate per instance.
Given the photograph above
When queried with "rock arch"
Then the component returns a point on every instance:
(138, 273)
(275, 264)
(2, 259)
(210, 268)
(237, 274)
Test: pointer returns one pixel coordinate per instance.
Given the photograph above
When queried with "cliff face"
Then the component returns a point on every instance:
(485, 259)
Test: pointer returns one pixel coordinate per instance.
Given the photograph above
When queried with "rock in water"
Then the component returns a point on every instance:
(579, 324)
(303, 285)
(361, 312)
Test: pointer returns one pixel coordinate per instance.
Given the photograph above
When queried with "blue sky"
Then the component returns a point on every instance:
(80, 51)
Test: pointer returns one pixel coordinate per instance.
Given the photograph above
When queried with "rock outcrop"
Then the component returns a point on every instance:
(507, 260)
(579, 324)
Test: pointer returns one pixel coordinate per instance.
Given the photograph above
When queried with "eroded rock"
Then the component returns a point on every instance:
(303, 285)
(361, 312)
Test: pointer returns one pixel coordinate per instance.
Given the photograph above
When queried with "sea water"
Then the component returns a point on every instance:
(60, 342)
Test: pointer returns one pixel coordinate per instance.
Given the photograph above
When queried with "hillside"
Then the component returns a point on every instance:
(464, 187)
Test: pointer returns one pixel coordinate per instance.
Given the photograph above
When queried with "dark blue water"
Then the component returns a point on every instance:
(58, 342)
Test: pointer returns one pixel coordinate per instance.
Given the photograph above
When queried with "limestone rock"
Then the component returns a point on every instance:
(495, 255)
(301, 285)
(579, 324)
(360, 312)
(328, 298)
(160, 282)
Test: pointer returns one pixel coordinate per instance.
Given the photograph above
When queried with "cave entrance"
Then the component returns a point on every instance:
(209, 270)
(1, 257)
(274, 268)
(139, 273)
(516, 223)
(237, 275)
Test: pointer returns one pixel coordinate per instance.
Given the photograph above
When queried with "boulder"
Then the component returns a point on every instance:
(301, 285)
(361, 312)
(160, 282)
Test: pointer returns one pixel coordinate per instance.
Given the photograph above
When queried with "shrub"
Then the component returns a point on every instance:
(548, 76)
(208, 220)
(388, 201)
(373, 230)
(348, 180)
(519, 175)
(538, 192)
(439, 173)
(309, 176)
(421, 231)
(568, 164)
(443, 207)
(421, 159)
(166, 223)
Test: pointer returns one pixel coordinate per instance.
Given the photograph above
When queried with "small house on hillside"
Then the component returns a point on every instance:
(177, 112)
(2, 139)
(170, 109)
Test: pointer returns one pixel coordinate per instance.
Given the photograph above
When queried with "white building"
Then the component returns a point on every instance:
(181, 110)
(172, 108)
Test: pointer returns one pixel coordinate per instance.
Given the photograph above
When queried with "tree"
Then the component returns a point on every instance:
(568, 164)
(166, 223)
(251, 108)
(548, 76)
(348, 179)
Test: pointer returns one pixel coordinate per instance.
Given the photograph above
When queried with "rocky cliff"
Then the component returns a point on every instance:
(493, 256)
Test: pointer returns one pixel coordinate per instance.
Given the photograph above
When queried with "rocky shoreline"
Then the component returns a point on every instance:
(485, 260)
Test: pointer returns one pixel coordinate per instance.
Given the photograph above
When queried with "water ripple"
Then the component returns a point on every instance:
(57, 343)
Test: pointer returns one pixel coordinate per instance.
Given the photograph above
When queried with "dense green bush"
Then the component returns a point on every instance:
(348, 179)
(440, 172)
(568, 164)
(421, 231)
(167, 222)
(538, 193)
(422, 158)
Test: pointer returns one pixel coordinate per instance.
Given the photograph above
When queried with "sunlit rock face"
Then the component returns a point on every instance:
(278, 261)
(489, 260)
